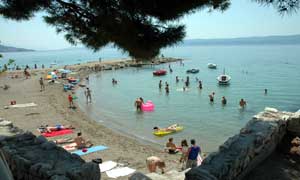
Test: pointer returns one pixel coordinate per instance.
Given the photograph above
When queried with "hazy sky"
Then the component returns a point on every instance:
(243, 18)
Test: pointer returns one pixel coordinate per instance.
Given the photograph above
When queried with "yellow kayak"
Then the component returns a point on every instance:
(166, 132)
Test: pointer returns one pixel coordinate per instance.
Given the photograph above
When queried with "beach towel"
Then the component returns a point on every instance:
(199, 160)
(107, 165)
(57, 133)
(90, 150)
(70, 147)
(118, 172)
(23, 105)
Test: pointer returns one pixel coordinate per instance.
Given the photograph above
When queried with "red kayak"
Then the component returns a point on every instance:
(160, 72)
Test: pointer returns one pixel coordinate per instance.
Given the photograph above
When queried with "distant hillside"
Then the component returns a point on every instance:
(281, 40)
(12, 49)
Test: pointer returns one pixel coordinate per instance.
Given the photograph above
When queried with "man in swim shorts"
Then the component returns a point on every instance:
(138, 104)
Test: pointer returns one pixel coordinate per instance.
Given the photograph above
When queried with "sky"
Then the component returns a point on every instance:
(244, 18)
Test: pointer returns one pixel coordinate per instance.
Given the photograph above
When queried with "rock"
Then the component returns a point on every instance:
(6, 123)
(139, 176)
(271, 110)
(296, 141)
(40, 140)
(48, 145)
(58, 177)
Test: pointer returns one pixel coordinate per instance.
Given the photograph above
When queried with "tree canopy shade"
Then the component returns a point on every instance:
(139, 27)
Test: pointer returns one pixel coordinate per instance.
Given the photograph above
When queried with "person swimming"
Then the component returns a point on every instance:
(242, 103)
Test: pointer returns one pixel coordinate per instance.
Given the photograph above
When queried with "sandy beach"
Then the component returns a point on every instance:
(52, 108)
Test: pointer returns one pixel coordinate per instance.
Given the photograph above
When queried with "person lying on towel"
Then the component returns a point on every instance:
(44, 129)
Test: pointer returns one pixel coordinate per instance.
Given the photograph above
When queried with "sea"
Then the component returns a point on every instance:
(253, 68)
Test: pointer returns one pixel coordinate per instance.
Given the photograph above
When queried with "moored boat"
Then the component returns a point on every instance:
(212, 66)
(223, 79)
(160, 72)
(194, 71)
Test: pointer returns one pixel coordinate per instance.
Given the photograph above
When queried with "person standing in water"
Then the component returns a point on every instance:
(88, 95)
(211, 97)
(242, 103)
(160, 84)
(266, 91)
(187, 82)
(200, 84)
(224, 100)
(177, 79)
(138, 104)
(167, 88)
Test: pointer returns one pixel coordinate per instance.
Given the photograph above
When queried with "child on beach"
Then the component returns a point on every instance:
(184, 151)
(153, 162)
(70, 99)
(88, 95)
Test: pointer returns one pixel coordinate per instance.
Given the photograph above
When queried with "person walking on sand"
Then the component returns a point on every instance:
(184, 151)
(71, 103)
(192, 155)
(42, 84)
(88, 95)
(242, 103)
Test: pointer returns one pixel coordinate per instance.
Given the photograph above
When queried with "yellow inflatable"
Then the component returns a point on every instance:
(163, 132)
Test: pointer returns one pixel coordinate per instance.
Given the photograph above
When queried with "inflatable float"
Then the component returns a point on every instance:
(160, 72)
(163, 132)
(148, 106)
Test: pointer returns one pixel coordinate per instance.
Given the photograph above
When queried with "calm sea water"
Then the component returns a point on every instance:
(252, 68)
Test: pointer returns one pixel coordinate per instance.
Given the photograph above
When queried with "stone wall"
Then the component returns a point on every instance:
(293, 126)
(34, 158)
(241, 153)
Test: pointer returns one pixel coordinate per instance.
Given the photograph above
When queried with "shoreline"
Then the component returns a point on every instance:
(53, 109)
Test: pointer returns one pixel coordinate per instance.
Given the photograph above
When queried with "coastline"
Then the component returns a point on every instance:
(53, 109)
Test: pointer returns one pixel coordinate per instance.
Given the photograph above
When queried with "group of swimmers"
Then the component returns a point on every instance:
(211, 96)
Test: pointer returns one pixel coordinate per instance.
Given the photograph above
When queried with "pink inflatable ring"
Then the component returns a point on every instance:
(148, 106)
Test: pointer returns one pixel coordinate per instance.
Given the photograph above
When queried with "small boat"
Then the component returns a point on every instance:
(194, 71)
(167, 132)
(160, 72)
(212, 66)
(224, 78)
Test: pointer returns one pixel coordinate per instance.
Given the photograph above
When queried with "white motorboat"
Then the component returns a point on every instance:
(212, 66)
(224, 78)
